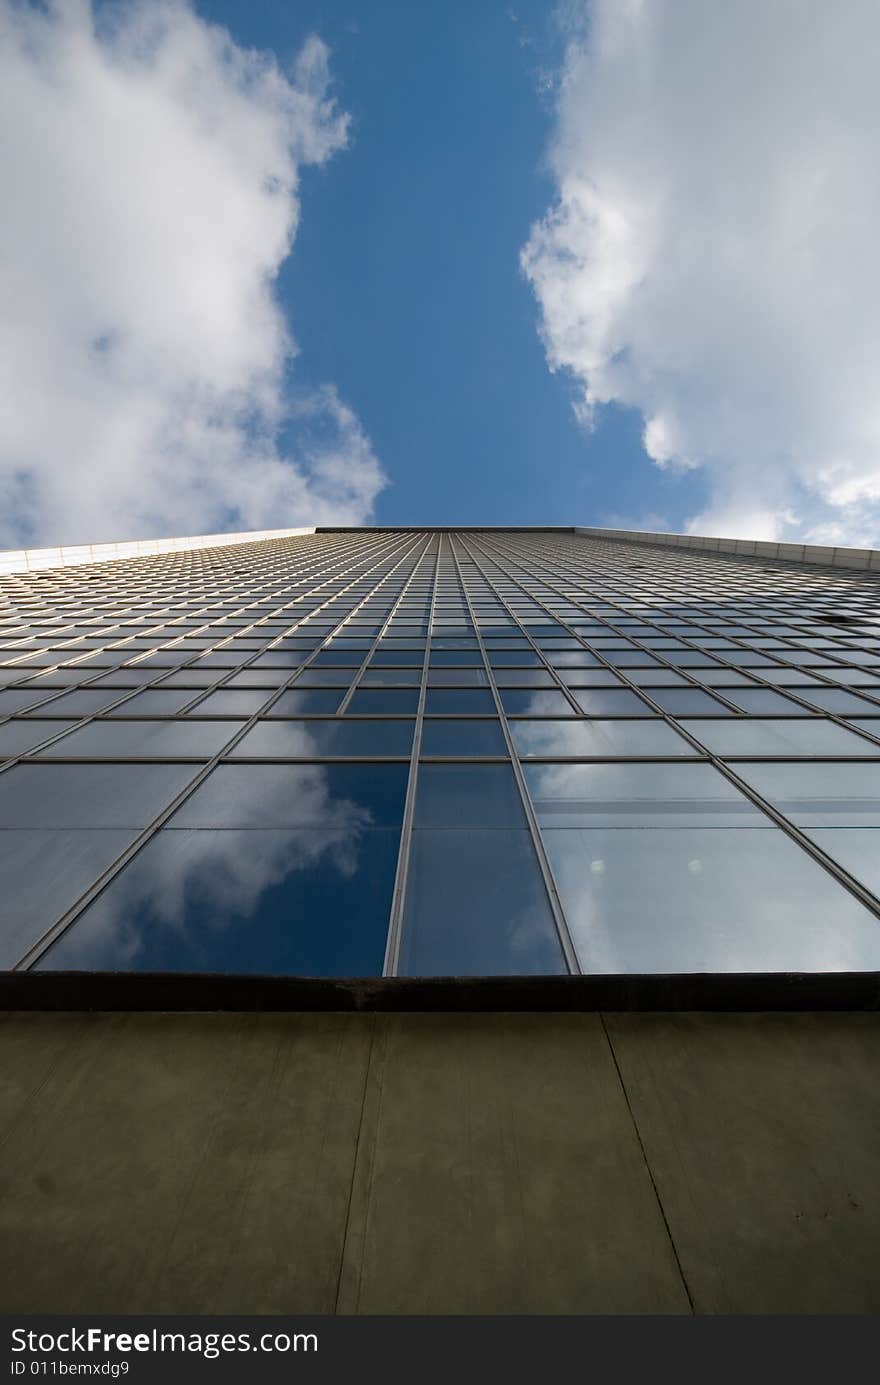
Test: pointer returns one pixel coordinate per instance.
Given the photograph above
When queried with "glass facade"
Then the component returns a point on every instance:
(440, 753)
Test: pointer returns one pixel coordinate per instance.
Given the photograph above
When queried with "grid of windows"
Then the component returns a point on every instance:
(455, 752)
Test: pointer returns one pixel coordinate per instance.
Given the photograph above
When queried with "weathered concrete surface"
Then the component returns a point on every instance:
(175, 1163)
(468, 1163)
(499, 1172)
(763, 1137)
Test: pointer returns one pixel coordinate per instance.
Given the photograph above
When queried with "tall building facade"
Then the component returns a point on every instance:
(440, 921)
(417, 753)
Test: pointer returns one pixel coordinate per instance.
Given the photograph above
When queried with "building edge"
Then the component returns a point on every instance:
(14, 560)
(864, 559)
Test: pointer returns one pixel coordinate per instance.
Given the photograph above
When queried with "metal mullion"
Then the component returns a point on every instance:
(60, 926)
(385, 623)
(559, 919)
(391, 960)
(848, 882)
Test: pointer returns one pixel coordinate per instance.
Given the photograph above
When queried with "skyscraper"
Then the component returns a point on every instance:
(454, 753)
(460, 770)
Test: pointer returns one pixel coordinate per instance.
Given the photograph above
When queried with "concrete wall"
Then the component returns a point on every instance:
(475, 1163)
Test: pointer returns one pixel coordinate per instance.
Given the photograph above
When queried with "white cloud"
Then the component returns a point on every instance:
(712, 257)
(150, 172)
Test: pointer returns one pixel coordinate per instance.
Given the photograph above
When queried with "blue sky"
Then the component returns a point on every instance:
(405, 286)
(362, 261)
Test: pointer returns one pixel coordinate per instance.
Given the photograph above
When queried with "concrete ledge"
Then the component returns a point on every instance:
(200, 993)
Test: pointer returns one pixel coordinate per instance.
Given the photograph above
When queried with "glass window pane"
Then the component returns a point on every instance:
(751, 736)
(12, 699)
(525, 658)
(463, 701)
(761, 700)
(117, 739)
(376, 701)
(611, 703)
(636, 795)
(819, 795)
(297, 796)
(523, 702)
(306, 701)
(680, 701)
(42, 874)
(257, 678)
(456, 737)
(857, 849)
(840, 701)
(391, 677)
(18, 737)
(73, 796)
(155, 702)
(391, 658)
(84, 701)
(242, 901)
(476, 906)
(307, 740)
(463, 677)
(602, 738)
(468, 796)
(442, 658)
(232, 702)
(524, 678)
(706, 900)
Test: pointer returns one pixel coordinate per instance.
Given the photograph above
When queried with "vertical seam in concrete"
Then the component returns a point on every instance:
(647, 1163)
(345, 1251)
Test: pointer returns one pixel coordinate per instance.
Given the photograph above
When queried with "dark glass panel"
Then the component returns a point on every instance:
(456, 737)
(611, 703)
(394, 701)
(524, 678)
(42, 874)
(72, 796)
(441, 658)
(498, 658)
(155, 702)
(763, 701)
(306, 901)
(391, 677)
(18, 737)
(463, 677)
(110, 740)
(525, 702)
(476, 906)
(325, 678)
(83, 702)
(308, 740)
(306, 701)
(232, 702)
(463, 701)
(297, 796)
(468, 796)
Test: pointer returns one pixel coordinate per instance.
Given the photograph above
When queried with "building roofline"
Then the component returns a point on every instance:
(865, 559)
(40, 559)
(37, 559)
